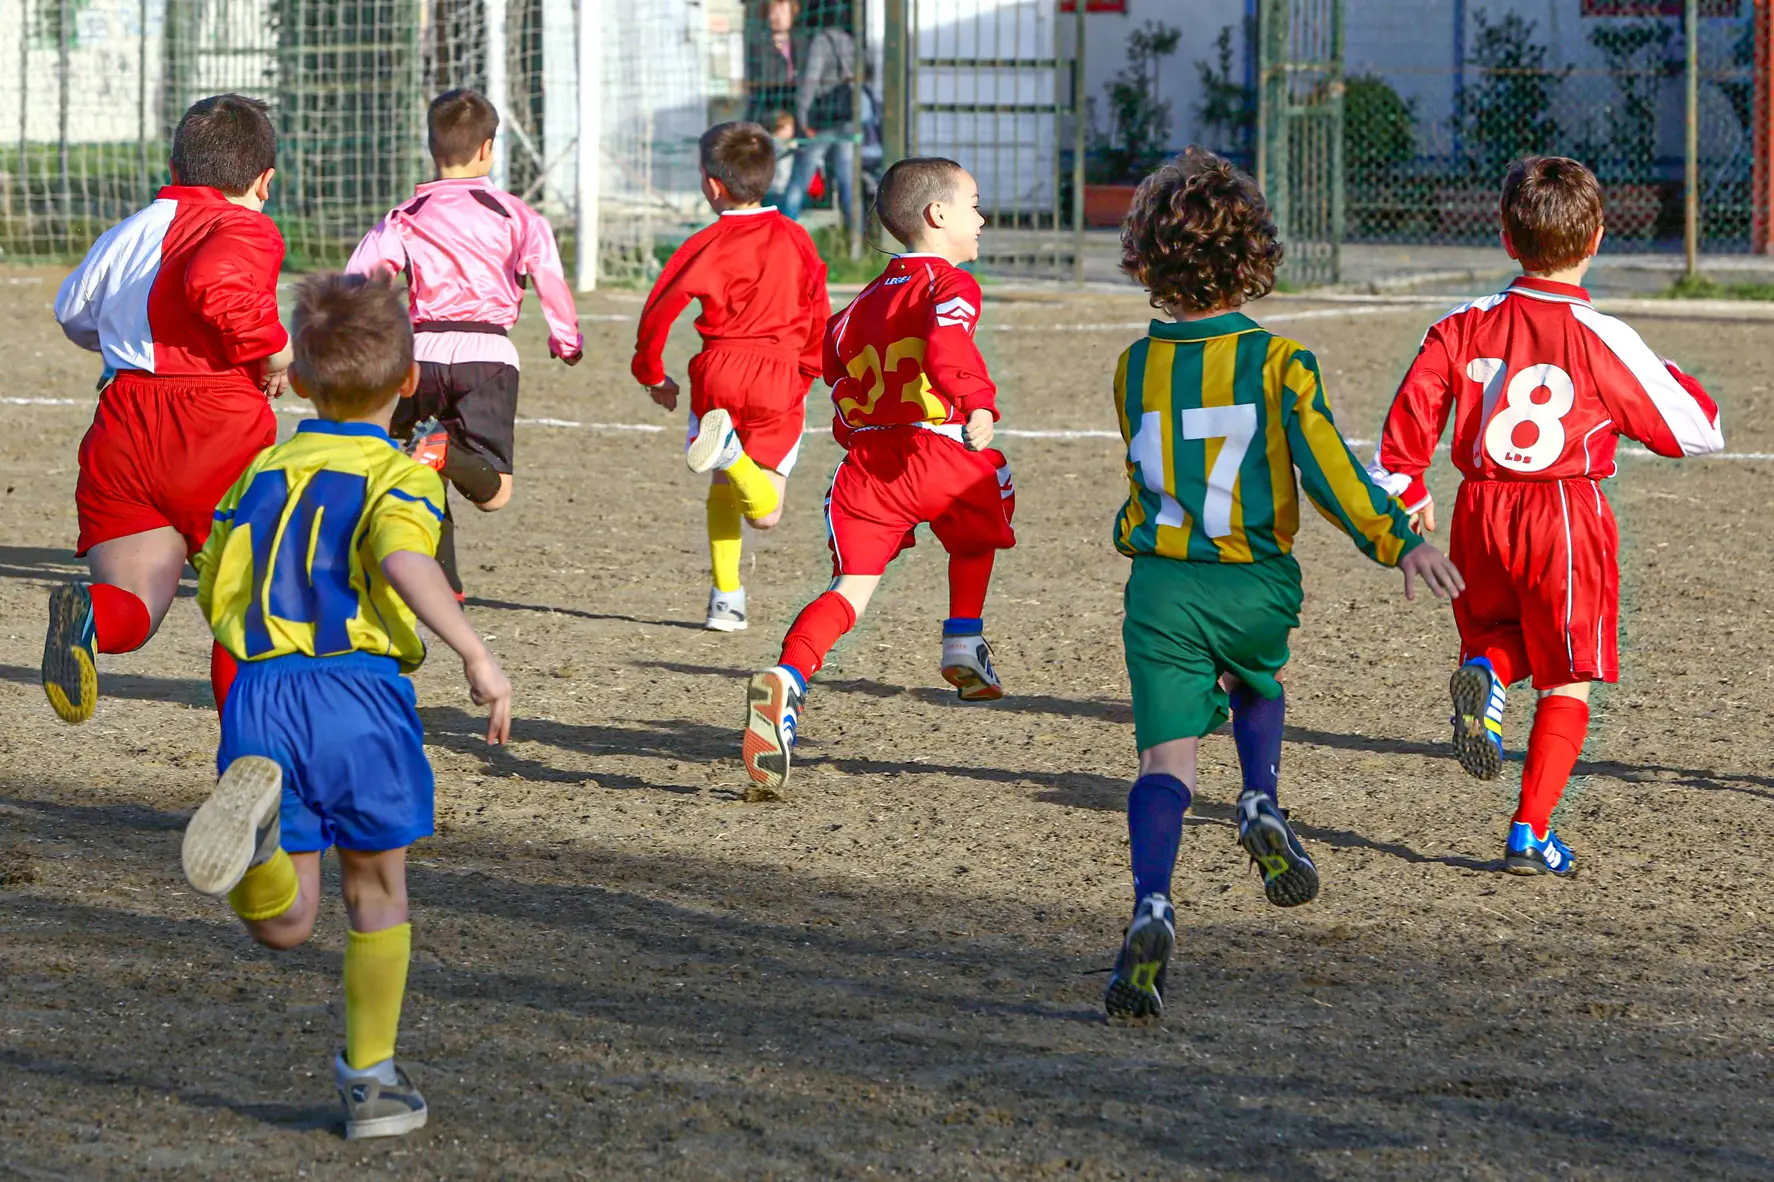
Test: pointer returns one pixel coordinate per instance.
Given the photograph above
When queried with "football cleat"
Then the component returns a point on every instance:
(1136, 987)
(1527, 854)
(429, 444)
(726, 611)
(773, 711)
(236, 828)
(379, 1101)
(1289, 877)
(967, 665)
(716, 444)
(70, 654)
(1478, 718)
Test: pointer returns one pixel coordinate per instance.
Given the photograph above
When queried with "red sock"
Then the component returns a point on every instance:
(119, 619)
(222, 668)
(814, 632)
(1560, 726)
(969, 575)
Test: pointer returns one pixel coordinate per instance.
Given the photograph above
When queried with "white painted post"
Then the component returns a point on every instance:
(498, 86)
(591, 139)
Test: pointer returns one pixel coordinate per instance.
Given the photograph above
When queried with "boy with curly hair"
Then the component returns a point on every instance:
(1217, 413)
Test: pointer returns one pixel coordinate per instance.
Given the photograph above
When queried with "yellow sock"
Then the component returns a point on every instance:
(723, 536)
(267, 890)
(757, 494)
(375, 985)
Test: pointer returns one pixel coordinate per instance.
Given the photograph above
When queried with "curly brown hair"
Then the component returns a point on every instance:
(1199, 235)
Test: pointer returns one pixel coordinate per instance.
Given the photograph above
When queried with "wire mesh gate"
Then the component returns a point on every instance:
(1300, 131)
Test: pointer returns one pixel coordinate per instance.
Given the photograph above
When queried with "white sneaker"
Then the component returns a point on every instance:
(236, 828)
(716, 444)
(726, 611)
(967, 665)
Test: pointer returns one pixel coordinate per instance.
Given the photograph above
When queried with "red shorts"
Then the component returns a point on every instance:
(164, 451)
(1542, 573)
(897, 478)
(765, 392)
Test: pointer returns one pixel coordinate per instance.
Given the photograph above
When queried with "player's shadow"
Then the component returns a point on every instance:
(677, 740)
(577, 613)
(132, 686)
(294, 1117)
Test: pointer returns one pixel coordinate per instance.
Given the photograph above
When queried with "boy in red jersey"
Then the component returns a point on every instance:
(1541, 387)
(915, 412)
(764, 308)
(181, 301)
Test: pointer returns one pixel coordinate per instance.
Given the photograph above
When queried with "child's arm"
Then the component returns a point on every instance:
(1414, 423)
(1650, 400)
(232, 282)
(1344, 493)
(952, 360)
(78, 299)
(382, 252)
(419, 581)
(672, 293)
(542, 262)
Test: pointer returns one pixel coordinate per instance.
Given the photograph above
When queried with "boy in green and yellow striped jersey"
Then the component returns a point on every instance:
(1217, 414)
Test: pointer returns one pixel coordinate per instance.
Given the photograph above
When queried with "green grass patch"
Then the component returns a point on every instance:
(1701, 287)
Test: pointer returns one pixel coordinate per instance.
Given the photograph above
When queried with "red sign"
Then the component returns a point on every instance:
(1094, 5)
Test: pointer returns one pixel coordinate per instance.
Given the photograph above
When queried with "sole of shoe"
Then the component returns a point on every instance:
(385, 1126)
(1288, 880)
(766, 755)
(1134, 1000)
(705, 449)
(222, 836)
(1470, 688)
(1529, 866)
(717, 624)
(970, 686)
(67, 666)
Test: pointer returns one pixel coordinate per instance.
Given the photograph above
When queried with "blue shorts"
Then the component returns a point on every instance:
(346, 732)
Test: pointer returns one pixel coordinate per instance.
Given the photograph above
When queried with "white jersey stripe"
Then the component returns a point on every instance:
(1683, 416)
(103, 305)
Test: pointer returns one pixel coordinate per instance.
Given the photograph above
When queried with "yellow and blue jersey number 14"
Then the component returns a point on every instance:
(310, 576)
(1235, 426)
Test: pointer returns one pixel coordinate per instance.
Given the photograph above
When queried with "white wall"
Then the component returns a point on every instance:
(1105, 52)
(104, 73)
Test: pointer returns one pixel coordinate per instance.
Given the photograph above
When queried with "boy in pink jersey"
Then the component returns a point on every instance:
(1541, 387)
(468, 250)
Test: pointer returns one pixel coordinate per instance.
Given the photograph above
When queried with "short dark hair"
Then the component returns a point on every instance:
(909, 188)
(1551, 208)
(224, 142)
(1200, 235)
(353, 342)
(459, 122)
(742, 156)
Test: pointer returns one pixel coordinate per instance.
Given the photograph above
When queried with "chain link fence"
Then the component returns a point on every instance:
(1600, 80)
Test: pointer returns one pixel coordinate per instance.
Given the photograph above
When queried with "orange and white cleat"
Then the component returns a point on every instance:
(773, 710)
(967, 665)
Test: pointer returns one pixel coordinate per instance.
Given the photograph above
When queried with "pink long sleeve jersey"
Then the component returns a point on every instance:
(467, 249)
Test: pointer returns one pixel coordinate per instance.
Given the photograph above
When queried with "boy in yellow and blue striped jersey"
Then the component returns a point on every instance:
(320, 565)
(1217, 413)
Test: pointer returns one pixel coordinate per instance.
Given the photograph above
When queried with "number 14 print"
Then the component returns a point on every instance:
(308, 561)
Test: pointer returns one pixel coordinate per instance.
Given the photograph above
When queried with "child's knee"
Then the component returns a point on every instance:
(287, 931)
(768, 520)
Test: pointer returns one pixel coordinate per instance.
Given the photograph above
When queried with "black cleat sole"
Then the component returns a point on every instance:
(1288, 880)
(1128, 1001)
(1470, 687)
(1531, 865)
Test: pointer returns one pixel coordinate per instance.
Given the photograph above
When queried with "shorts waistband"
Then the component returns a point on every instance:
(946, 430)
(483, 327)
(339, 662)
(186, 381)
(758, 348)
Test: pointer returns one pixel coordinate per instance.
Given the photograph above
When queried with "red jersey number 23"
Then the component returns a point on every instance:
(1524, 429)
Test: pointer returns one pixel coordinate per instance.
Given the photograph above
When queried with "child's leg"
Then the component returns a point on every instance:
(725, 541)
(970, 575)
(278, 899)
(377, 951)
(821, 623)
(1256, 729)
(1155, 808)
(966, 657)
(1561, 723)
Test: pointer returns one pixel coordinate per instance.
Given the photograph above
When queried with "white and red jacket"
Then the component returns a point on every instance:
(186, 287)
(467, 250)
(1541, 387)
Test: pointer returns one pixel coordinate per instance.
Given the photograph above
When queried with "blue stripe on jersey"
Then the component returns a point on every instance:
(410, 499)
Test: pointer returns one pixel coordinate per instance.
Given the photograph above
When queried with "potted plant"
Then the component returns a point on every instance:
(1138, 135)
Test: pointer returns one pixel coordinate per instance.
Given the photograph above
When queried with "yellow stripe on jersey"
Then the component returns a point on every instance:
(1281, 462)
(293, 563)
(1219, 368)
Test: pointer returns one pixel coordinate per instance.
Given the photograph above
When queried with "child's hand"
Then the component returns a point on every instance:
(665, 394)
(1423, 520)
(488, 686)
(981, 426)
(572, 359)
(1432, 566)
(276, 369)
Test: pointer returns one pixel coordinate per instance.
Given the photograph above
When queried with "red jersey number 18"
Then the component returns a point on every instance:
(1503, 435)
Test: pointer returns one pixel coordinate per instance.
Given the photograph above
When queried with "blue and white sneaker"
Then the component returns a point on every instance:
(774, 699)
(715, 445)
(70, 654)
(1289, 877)
(1136, 987)
(1478, 718)
(1527, 854)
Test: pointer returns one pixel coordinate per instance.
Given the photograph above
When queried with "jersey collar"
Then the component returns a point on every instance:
(328, 427)
(1544, 288)
(746, 213)
(1224, 325)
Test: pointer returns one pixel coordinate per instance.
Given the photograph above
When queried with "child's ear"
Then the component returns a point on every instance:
(173, 173)
(936, 215)
(1508, 246)
(1595, 244)
(262, 186)
(409, 387)
(299, 388)
(485, 155)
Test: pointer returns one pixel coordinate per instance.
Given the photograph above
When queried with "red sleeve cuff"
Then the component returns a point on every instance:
(647, 371)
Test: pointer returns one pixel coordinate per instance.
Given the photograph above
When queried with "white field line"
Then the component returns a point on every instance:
(657, 428)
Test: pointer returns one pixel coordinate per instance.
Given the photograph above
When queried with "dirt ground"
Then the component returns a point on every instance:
(622, 969)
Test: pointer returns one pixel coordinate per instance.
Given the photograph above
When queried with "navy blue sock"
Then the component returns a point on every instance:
(1256, 728)
(1155, 808)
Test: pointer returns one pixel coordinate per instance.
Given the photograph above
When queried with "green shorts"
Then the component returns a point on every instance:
(1190, 622)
